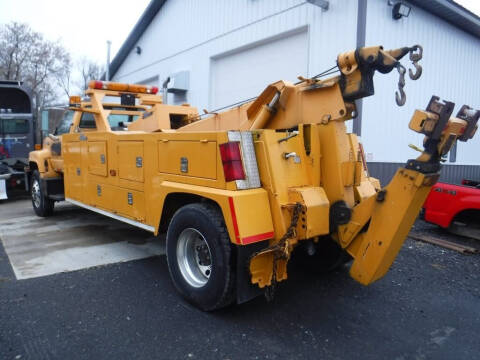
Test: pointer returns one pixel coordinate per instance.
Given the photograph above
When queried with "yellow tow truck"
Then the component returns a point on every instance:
(239, 192)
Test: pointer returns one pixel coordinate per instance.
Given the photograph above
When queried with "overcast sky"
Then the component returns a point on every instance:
(84, 26)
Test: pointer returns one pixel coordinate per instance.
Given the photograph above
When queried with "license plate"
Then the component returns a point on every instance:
(3, 189)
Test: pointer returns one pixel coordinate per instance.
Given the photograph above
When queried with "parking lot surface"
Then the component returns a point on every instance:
(426, 307)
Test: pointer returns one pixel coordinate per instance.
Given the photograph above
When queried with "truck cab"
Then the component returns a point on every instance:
(455, 207)
(17, 136)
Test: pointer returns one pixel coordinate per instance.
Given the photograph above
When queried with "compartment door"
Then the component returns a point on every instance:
(188, 158)
(73, 172)
(130, 203)
(131, 161)
(97, 158)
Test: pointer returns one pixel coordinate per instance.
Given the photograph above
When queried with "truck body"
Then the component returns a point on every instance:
(16, 135)
(239, 192)
(455, 207)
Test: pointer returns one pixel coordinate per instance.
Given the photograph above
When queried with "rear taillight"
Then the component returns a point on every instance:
(232, 161)
(241, 161)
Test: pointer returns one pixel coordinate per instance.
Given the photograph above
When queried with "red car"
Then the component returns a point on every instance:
(456, 207)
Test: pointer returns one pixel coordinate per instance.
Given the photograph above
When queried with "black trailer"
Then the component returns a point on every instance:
(17, 135)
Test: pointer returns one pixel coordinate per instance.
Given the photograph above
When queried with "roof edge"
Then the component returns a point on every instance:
(447, 10)
(453, 13)
(148, 15)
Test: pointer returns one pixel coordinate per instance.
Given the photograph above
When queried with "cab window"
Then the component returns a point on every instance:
(15, 126)
(115, 119)
(64, 126)
(87, 121)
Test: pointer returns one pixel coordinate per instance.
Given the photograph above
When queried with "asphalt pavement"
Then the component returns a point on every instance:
(426, 307)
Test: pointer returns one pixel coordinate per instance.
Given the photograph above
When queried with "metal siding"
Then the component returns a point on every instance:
(185, 35)
(454, 174)
(449, 71)
(270, 65)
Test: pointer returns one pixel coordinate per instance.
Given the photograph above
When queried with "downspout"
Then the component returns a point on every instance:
(361, 30)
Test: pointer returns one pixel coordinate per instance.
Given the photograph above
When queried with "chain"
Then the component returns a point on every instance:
(280, 250)
(400, 96)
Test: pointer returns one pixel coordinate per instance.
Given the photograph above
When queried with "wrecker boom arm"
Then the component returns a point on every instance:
(392, 211)
(372, 225)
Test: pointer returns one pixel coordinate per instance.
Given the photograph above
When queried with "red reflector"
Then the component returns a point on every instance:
(154, 90)
(98, 85)
(232, 161)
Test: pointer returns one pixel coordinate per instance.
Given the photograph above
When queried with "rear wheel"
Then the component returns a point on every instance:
(200, 258)
(42, 205)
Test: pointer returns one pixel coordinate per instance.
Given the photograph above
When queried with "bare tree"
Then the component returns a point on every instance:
(89, 70)
(26, 56)
(64, 76)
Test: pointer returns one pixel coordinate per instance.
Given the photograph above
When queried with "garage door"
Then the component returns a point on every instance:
(245, 73)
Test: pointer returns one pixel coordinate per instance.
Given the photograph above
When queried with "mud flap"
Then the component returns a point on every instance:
(245, 289)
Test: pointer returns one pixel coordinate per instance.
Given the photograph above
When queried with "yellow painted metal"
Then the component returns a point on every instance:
(130, 203)
(261, 269)
(131, 160)
(314, 220)
(177, 157)
(252, 208)
(97, 158)
(74, 175)
(99, 195)
(390, 222)
(252, 214)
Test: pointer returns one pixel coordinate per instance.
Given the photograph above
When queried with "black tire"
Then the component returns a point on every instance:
(327, 256)
(42, 205)
(191, 227)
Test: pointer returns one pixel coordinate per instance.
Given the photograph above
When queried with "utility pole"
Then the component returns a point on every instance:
(107, 73)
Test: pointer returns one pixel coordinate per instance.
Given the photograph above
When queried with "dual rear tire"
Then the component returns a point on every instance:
(200, 256)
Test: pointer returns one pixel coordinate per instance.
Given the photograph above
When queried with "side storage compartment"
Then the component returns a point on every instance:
(130, 203)
(100, 195)
(97, 158)
(129, 198)
(73, 172)
(130, 155)
(189, 158)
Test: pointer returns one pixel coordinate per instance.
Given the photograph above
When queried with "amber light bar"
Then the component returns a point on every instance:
(114, 86)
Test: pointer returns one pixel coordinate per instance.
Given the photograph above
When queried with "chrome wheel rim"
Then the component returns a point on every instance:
(36, 193)
(194, 257)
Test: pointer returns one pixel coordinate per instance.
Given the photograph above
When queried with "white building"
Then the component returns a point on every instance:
(223, 51)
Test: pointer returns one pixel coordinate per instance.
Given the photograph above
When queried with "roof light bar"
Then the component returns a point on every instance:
(114, 86)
